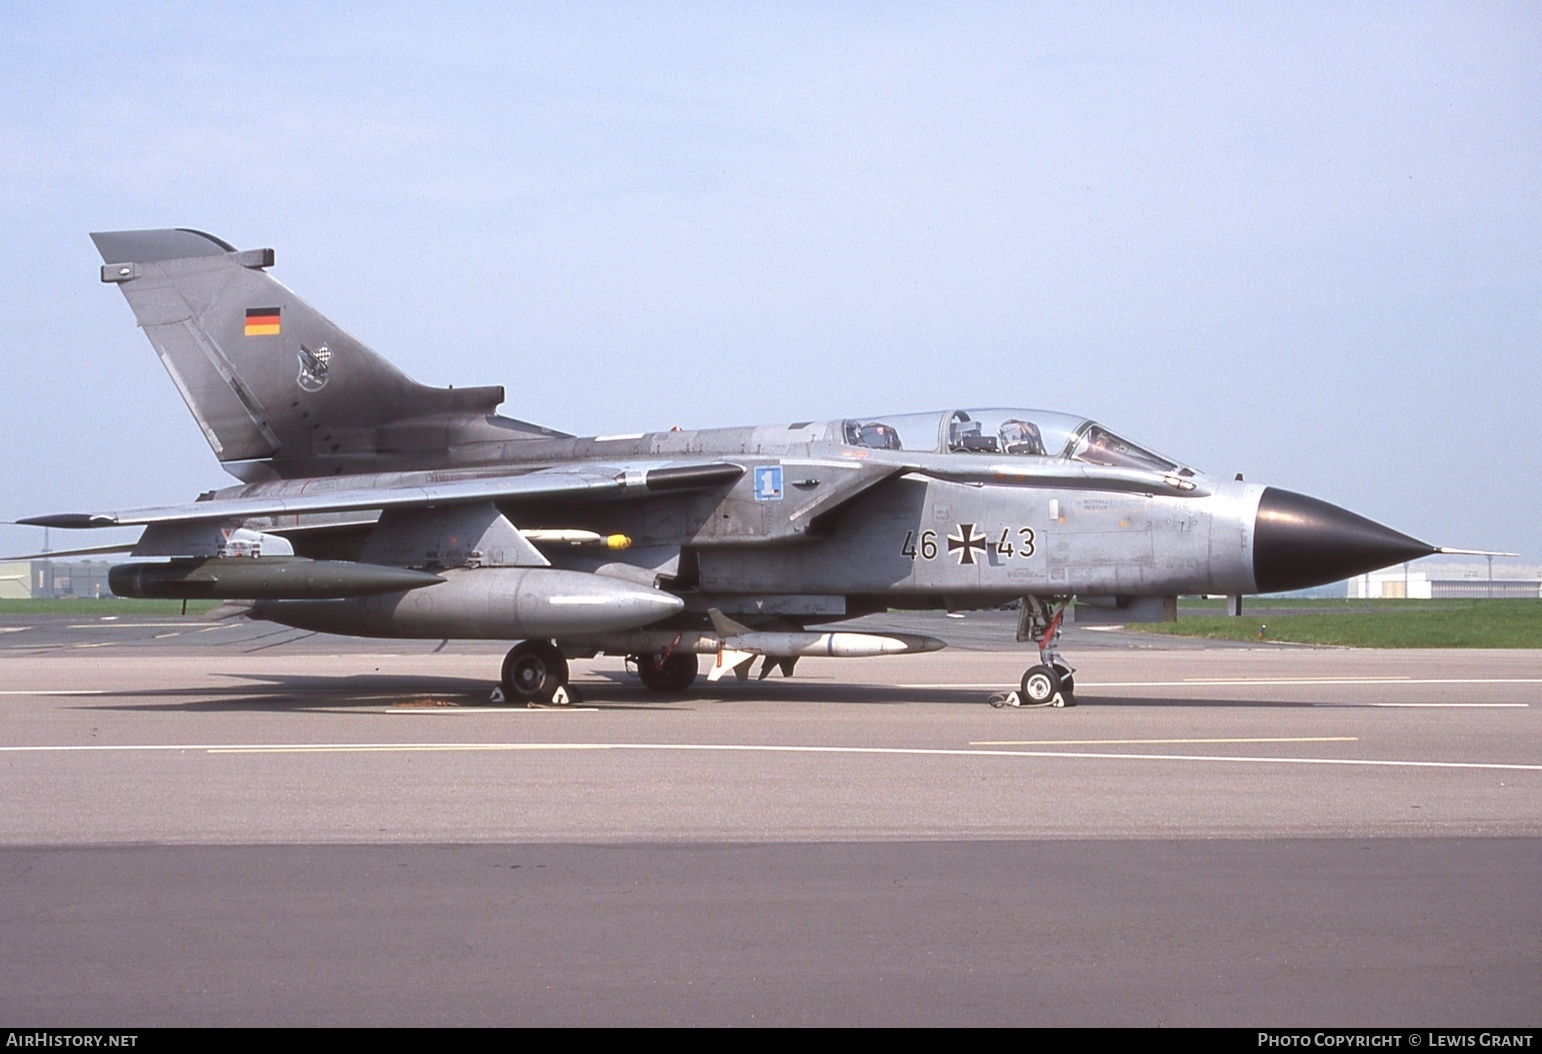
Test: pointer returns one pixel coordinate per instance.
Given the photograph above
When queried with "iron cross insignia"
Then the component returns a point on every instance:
(966, 543)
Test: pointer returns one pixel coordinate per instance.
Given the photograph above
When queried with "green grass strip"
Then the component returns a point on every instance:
(107, 606)
(1368, 623)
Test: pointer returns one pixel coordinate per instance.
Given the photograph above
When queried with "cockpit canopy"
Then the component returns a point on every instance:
(1009, 432)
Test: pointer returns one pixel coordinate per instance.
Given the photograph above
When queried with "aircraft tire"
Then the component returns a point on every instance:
(1040, 684)
(1067, 678)
(674, 674)
(533, 670)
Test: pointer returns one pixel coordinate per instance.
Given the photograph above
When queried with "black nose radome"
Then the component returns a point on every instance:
(1300, 542)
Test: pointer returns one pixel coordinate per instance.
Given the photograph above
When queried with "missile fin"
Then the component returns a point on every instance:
(725, 626)
(731, 659)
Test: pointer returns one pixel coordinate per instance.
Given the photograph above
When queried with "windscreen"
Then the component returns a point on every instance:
(1098, 446)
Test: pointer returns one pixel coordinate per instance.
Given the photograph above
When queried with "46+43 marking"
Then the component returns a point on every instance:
(965, 542)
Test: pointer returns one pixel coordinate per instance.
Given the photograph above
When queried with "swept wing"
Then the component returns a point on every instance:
(598, 482)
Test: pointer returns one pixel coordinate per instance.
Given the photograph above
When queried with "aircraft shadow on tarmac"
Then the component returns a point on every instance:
(372, 691)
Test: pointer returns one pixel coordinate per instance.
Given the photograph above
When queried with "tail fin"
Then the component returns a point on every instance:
(279, 389)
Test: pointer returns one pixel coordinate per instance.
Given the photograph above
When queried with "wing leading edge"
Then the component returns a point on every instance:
(594, 483)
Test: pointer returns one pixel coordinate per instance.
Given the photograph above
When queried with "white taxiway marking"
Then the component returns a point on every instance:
(129, 625)
(408, 708)
(1219, 682)
(1135, 742)
(746, 748)
(1415, 706)
(61, 691)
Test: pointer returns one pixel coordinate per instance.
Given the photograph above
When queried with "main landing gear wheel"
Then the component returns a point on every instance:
(668, 673)
(535, 673)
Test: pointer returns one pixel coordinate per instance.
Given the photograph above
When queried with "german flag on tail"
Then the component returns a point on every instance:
(262, 322)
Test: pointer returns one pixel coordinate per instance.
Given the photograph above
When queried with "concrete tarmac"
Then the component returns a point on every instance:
(247, 825)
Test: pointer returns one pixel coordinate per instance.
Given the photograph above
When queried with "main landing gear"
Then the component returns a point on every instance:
(672, 671)
(536, 673)
(1051, 682)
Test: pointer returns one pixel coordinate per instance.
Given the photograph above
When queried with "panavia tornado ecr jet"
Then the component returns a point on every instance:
(373, 505)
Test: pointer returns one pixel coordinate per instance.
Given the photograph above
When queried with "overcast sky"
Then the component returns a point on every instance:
(1300, 242)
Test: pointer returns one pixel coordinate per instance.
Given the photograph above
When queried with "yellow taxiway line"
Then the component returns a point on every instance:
(1135, 742)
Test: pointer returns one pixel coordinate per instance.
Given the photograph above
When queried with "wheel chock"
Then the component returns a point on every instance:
(1014, 698)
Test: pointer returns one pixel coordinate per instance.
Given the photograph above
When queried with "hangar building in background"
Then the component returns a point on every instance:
(1430, 581)
(30, 579)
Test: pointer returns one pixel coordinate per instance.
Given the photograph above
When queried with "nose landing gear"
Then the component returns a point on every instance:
(1052, 682)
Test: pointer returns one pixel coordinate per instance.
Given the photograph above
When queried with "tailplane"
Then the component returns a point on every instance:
(279, 389)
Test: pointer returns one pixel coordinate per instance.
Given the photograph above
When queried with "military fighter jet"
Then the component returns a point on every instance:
(373, 505)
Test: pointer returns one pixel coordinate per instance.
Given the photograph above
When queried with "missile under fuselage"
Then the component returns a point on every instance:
(779, 643)
(489, 603)
(262, 578)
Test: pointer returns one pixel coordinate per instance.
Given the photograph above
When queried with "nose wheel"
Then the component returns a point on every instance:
(1052, 682)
